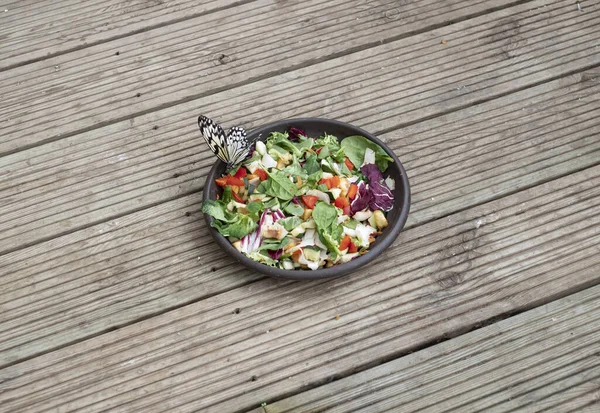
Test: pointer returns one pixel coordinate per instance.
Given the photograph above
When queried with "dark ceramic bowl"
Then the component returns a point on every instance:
(316, 127)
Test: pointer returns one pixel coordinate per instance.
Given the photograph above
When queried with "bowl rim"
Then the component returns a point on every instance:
(338, 270)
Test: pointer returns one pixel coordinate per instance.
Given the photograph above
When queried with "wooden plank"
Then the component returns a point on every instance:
(130, 267)
(90, 88)
(130, 165)
(441, 278)
(35, 30)
(538, 360)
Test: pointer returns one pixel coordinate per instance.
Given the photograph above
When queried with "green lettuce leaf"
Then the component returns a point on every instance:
(325, 215)
(237, 229)
(355, 147)
(311, 165)
(281, 186)
(273, 244)
(278, 141)
(218, 210)
(290, 223)
(294, 209)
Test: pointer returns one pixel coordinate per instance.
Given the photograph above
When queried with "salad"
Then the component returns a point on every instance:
(299, 202)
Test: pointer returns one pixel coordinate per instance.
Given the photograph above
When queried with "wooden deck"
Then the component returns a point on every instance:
(114, 299)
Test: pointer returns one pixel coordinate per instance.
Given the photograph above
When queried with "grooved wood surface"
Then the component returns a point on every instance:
(113, 296)
(439, 278)
(543, 360)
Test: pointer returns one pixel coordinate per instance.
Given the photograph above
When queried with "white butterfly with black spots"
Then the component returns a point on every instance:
(232, 148)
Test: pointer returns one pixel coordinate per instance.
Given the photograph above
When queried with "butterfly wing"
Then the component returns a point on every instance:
(238, 146)
(215, 137)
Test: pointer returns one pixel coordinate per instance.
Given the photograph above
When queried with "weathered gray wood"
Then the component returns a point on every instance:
(545, 359)
(484, 57)
(142, 263)
(129, 165)
(34, 30)
(130, 267)
(440, 278)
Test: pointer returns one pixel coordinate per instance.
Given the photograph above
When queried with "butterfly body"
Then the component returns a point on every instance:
(232, 148)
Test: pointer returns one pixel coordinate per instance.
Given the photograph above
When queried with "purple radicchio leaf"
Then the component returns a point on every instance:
(251, 151)
(362, 198)
(276, 215)
(275, 254)
(252, 241)
(381, 195)
(295, 133)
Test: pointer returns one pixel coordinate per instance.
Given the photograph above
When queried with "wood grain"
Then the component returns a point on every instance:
(92, 87)
(515, 253)
(140, 264)
(32, 31)
(542, 360)
(136, 265)
(130, 165)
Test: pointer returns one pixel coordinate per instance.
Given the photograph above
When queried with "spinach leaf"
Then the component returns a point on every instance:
(311, 165)
(255, 206)
(294, 169)
(280, 142)
(355, 147)
(324, 215)
(263, 187)
(226, 197)
(218, 210)
(241, 227)
(339, 155)
(273, 244)
(327, 166)
(271, 203)
(254, 209)
(314, 178)
(294, 209)
(290, 223)
(304, 143)
(324, 153)
(281, 186)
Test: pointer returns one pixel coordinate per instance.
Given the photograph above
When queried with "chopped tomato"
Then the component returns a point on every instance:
(221, 181)
(335, 181)
(318, 150)
(309, 201)
(326, 182)
(349, 164)
(261, 174)
(233, 181)
(296, 255)
(237, 197)
(346, 241)
(241, 172)
(352, 191)
(341, 202)
(347, 210)
(352, 248)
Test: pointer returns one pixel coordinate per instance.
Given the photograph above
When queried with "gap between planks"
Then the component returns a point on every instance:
(34, 289)
(244, 71)
(498, 368)
(157, 20)
(74, 220)
(512, 261)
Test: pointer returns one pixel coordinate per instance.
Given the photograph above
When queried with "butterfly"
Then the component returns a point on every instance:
(232, 148)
